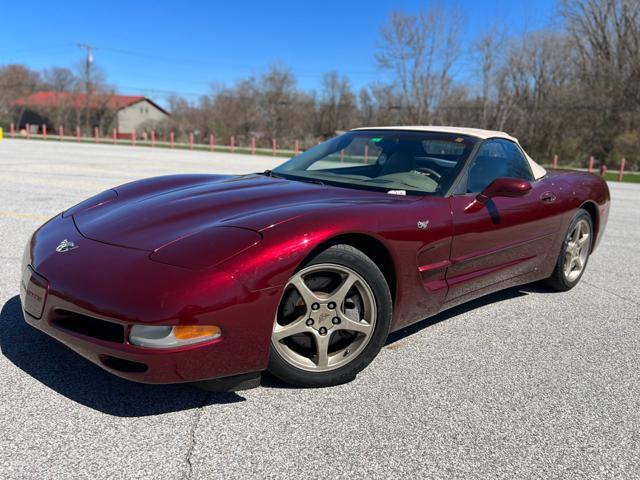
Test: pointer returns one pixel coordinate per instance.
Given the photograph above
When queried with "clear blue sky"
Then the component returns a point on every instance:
(184, 46)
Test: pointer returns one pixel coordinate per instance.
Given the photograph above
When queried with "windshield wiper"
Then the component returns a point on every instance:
(295, 178)
(310, 180)
(271, 173)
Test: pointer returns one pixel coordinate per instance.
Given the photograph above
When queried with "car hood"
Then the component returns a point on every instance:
(151, 213)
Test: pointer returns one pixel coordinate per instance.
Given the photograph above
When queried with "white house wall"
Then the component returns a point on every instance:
(133, 116)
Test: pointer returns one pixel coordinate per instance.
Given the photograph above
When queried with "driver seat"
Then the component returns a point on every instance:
(398, 162)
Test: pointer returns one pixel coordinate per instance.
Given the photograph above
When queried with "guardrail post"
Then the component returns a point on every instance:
(61, 132)
(77, 133)
(554, 163)
(133, 137)
(44, 132)
(366, 154)
(621, 175)
(212, 142)
(296, 148)
(172, 139)
(591, 161)
(253, 145)
(96, 134)
(273, 146)
(115, 135)
(342, 155)
(28, 131)
(603, 170)
(12, 129)
(232, 143)
(191, 141)
(153, 138)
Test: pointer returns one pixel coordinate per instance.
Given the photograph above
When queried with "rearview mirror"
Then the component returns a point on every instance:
(500, 187)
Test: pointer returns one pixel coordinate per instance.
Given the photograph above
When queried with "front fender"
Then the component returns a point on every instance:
(284, 246)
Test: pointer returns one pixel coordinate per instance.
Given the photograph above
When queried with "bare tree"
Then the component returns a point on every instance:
(277, 93)
(336, 109)
(366, 108)
(538, 75)
(489, 58)
(420, 52)
(16, 81)
(606, 36)
(243, 100)
(59, 79)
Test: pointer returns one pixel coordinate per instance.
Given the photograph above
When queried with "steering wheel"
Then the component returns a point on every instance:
(428, 172)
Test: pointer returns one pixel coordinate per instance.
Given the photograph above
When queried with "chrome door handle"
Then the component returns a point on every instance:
(548, 197)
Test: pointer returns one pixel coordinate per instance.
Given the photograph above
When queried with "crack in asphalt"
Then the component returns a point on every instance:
(598, 287)
(192, 434)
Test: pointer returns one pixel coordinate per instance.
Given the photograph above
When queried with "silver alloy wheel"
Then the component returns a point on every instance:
(327, 316)
(577, 250)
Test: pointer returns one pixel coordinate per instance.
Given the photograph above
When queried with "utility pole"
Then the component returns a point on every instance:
(88, 63)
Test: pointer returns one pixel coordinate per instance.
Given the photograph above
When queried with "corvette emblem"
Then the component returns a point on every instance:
(423, 224)
(65, 245)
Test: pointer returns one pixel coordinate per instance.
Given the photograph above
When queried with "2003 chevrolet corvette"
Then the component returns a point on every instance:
(305, 269)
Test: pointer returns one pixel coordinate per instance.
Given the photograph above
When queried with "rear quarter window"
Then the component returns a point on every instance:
(441, 147)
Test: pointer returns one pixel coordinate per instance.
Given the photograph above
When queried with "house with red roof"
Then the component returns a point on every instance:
(125, 113)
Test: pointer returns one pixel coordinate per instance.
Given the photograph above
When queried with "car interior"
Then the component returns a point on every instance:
(416, 164)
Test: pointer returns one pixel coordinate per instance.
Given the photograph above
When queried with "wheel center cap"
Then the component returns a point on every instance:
(322, 318)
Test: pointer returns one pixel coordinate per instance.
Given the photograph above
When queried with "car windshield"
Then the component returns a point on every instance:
(400, 162)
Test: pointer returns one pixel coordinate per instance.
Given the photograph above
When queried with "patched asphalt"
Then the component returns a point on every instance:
(525, 383)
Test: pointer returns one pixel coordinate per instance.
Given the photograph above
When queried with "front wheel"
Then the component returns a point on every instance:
(332, 321)
(574, 253)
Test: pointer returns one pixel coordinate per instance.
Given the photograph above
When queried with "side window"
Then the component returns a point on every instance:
(497, 158)
(518, 164)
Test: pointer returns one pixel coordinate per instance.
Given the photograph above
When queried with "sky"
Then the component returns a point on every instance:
(156, 48)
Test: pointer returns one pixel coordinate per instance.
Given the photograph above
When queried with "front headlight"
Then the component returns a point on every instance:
(207, 248)
(160, 336)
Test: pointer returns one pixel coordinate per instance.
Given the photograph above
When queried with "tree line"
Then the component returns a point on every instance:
(573, 91)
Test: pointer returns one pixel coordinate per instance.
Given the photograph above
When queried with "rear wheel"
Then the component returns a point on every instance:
(332, 320)
(574, 253)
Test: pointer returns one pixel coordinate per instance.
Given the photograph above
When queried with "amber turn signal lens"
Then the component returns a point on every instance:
(186, 332)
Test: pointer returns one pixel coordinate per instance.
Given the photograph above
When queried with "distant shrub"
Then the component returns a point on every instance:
(626, 145)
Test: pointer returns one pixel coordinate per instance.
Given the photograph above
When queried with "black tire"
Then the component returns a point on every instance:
(357, 261)
(558, 280)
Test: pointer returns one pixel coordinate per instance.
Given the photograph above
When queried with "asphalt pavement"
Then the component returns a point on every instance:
(525, 383)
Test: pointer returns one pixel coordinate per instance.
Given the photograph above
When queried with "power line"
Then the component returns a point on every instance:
(36, 49)
(218, 64)
(162, 92)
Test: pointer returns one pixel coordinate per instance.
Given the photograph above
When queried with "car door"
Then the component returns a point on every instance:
(505, 241)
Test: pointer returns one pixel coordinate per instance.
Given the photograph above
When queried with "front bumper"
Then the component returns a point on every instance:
(105, 285)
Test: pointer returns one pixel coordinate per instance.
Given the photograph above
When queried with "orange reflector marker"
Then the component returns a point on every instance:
(186, 332)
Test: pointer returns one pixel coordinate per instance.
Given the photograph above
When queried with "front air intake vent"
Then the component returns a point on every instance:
(123, 365)
(90, 326)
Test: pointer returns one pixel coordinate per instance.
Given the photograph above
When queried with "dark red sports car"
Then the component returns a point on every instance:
(304, 270)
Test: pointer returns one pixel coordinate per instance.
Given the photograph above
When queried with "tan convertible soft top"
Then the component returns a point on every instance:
(538, 170)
